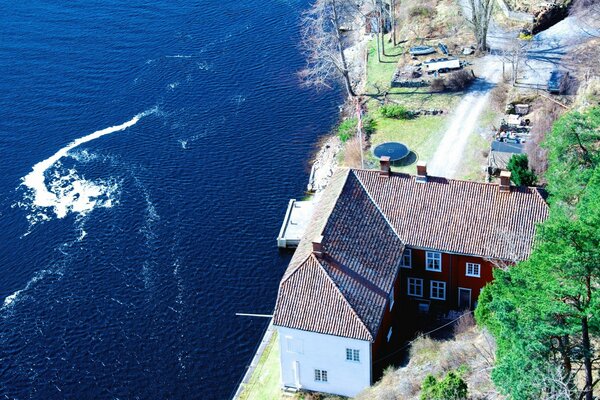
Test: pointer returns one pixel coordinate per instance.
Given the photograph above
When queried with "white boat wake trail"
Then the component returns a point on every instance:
(70, 192)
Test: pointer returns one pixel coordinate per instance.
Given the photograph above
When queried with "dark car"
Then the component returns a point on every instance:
(556, 82)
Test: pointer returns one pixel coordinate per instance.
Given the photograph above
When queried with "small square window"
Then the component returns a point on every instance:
(473, 270)
(320, 375)
(406, 259)
(352, 355)
(433, 261)
(415, 287)
(438, 290)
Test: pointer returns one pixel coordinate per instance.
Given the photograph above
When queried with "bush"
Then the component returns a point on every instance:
(438, 84)
(452, 387)
(421, 11)
(459, 80)
(347, 128)
(395, 111)
(521, 175)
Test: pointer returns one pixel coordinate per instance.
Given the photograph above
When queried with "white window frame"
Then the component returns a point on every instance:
(432, 257)
(391, 298)
(352, 355)
(440, 285)
(417, 282)
(473, 274)
(293, 345)
(320, 375)
(406, 255)
(389, 335)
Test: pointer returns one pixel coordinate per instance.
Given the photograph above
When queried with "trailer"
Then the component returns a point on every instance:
(442, 64)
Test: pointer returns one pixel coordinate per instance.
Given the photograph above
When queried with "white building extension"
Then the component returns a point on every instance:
(324, 363)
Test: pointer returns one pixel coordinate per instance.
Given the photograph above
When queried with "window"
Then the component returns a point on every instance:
(320, 375)
(433, 261)
(391, 298)
(438, 290)
(294, 345)
(406, 259)
(415, 287)
(352, 355)
(474, 270)
(389, 335)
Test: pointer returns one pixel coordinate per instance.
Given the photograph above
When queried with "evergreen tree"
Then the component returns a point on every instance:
(521, 175)
(544, 312)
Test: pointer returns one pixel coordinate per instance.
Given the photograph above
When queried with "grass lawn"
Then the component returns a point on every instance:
(422, 136)
(265, 381)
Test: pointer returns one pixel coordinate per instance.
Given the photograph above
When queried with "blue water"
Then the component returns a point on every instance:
(122, 269)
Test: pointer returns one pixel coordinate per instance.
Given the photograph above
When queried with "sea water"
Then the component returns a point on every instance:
(149, 150)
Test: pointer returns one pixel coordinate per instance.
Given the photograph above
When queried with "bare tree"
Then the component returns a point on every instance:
(322, 42)
(515, 54)
(479, 15)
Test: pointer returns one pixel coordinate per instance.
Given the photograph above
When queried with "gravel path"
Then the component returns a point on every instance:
(546, 52)
(465, 120)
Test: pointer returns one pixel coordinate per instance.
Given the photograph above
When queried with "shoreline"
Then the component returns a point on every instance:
(329, 146)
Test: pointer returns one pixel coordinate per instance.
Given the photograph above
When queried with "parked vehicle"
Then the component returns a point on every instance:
(442, 64)
(557, 81)
(421, 50)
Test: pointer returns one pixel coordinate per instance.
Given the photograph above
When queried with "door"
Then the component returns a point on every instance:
(296, 368)
(464, 298)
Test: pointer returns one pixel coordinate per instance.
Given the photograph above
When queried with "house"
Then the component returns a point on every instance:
(379, 241)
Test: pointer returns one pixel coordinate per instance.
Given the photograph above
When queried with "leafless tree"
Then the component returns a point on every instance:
(479, 15)
(323, 44)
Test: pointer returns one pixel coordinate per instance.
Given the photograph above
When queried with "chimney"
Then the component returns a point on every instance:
(504, 182)
(422, 171)
(384, 163)
(317, 247)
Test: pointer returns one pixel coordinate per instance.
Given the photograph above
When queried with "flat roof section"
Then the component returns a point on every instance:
(296, 220)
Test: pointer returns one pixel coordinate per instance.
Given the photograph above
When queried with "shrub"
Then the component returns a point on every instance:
(459, 80)
(421, 11)
(347, 128)
(521, 175)
(438, 84)
(452, 387)
(395, 111)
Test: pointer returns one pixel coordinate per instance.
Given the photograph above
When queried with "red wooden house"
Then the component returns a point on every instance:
(380, 242)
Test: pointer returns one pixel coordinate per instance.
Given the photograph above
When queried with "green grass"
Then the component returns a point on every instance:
(422, 136)
(265, 383)
(474, 160)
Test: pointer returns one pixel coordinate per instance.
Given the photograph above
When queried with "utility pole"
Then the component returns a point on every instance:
(359, 131)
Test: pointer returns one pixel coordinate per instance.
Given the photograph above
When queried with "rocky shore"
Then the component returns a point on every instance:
(326, 159)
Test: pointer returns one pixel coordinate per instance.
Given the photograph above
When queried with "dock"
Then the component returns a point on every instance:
(296, 220)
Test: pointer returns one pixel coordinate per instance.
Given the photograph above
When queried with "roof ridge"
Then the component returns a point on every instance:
(372, 171)
(344, 299)
(378, 208)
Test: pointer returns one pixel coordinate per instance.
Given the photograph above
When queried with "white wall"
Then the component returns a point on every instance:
(312, 351)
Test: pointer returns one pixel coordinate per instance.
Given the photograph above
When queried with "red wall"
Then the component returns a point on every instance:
(453, 273)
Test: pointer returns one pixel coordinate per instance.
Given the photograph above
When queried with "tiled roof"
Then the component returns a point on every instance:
(362, 255)
(459, 216)
(365, 221)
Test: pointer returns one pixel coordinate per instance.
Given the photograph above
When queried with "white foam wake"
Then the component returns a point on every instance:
(70, 192)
